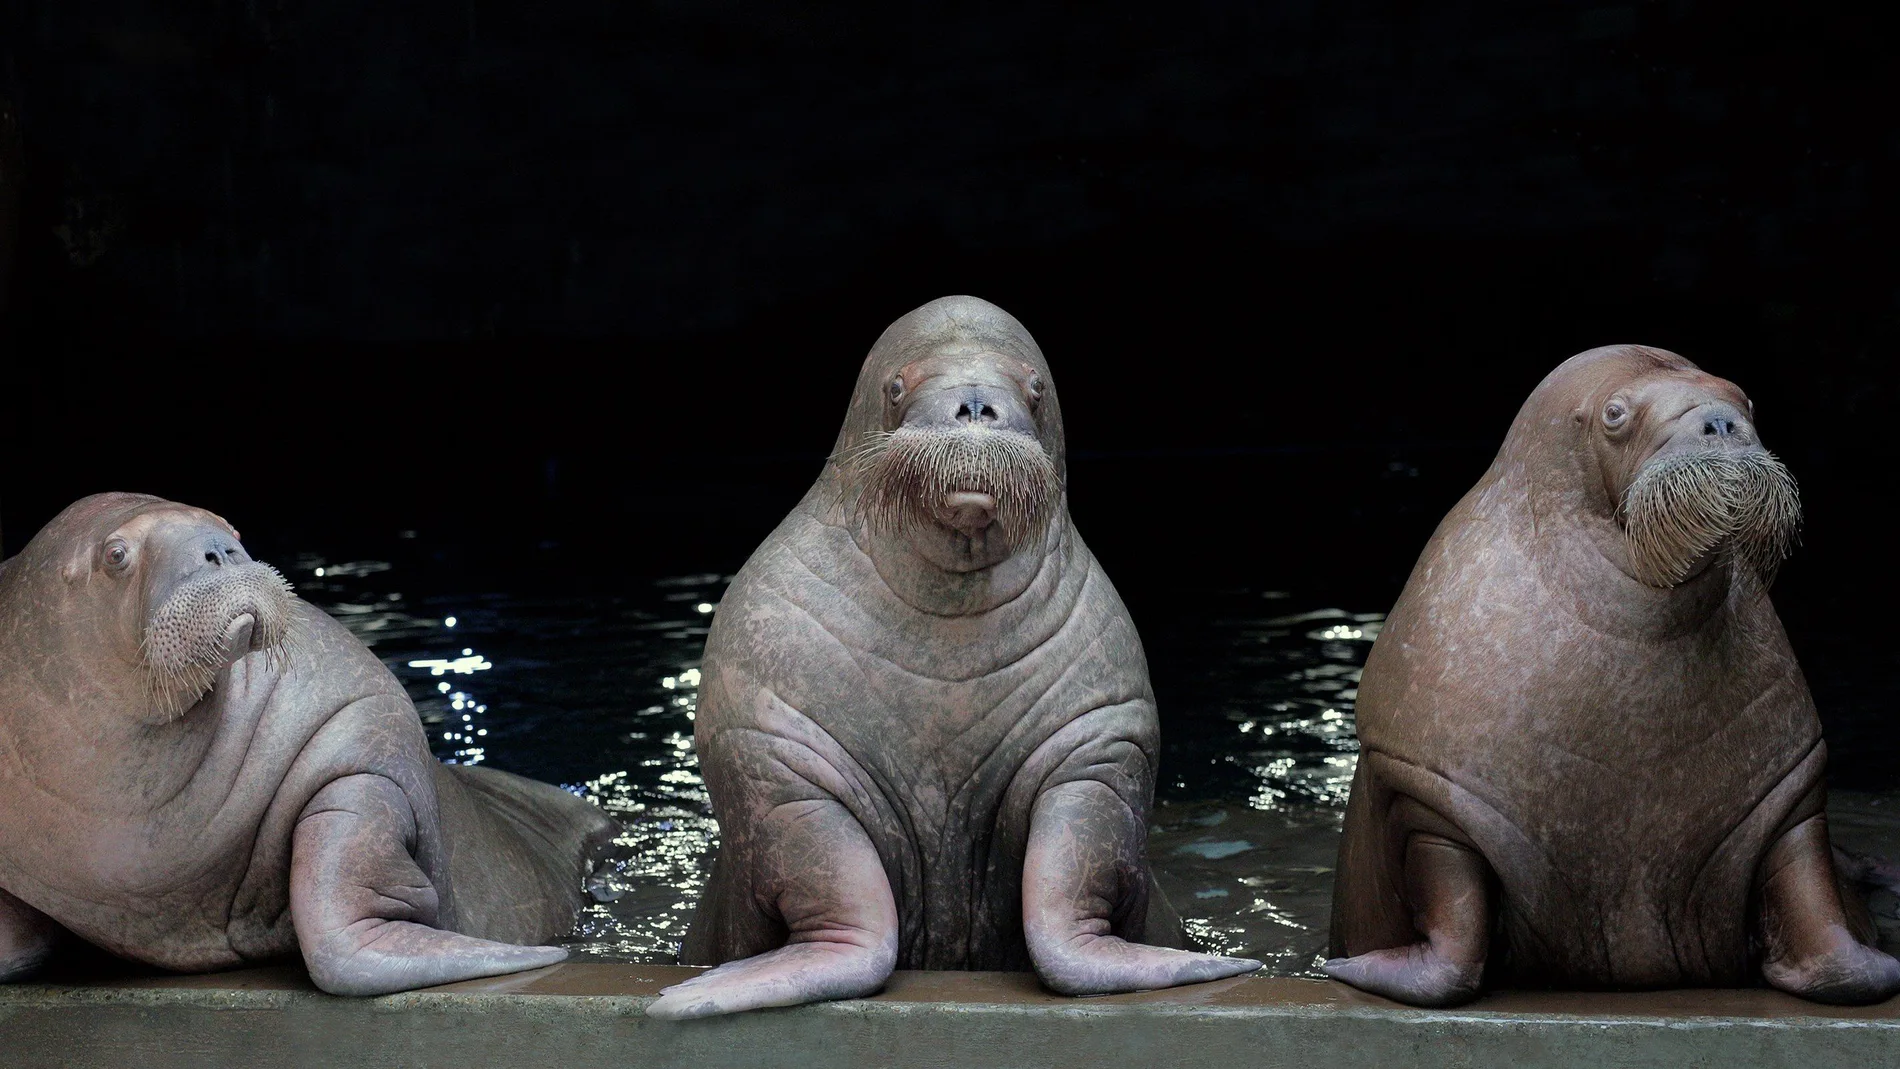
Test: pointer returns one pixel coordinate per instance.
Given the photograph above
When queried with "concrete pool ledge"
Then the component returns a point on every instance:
(583, 1015)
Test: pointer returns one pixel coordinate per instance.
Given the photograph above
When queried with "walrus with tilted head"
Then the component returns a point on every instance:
(199, 770)
(924, 714)
(1589, 758)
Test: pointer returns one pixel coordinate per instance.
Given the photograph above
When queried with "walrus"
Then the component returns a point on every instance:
(1588, 757)
(199, 770)
(924, 716)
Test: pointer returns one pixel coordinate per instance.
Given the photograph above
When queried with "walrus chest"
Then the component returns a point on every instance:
(940, 767)
(932, 771)
(935, 725)
(938, 810)
(1623, 795)
(1630, 867)
(1642, 887)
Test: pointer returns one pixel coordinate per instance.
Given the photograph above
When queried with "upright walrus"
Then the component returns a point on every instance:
(199, 770)
(1589, 758)
(924, 714)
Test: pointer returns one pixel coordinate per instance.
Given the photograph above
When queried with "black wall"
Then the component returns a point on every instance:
(592, 279)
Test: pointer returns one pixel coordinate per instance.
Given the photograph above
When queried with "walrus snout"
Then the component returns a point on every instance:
(1712, 486)
(970, 405)
(966, 477)
(221, 613)
(1723, 426)
(1713, 424)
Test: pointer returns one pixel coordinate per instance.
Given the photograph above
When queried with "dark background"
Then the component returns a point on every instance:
(576, 291)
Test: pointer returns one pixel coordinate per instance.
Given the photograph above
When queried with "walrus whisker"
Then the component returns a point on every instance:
(1769, 522)
(853, 456)
(182, 647)
(903, 475)
(851, 459)
(1676, 511)
(1679, 509)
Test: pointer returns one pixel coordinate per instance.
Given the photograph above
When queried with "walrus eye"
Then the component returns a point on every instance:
(1035, 390)
(117, 553)
(896, 389)
(1614, 414)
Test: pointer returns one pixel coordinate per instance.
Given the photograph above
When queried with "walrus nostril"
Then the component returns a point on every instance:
(1719, 427)
(223, 555)
(976, 411)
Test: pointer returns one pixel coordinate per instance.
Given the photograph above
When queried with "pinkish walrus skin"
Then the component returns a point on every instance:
(1589, 758)
(925, 717)
(199, 770)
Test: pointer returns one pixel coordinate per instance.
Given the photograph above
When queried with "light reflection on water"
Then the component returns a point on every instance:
(1259, 751)
(599, 694)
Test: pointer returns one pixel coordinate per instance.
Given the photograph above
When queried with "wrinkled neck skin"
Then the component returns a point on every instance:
(936, 569)
(110, 755)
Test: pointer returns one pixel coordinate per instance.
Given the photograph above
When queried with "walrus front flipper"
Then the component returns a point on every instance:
(1812, 949)
(519, 852)
(1075, 888)
(26, 939)
(1445, 885)
(828, 889)
(363, 908)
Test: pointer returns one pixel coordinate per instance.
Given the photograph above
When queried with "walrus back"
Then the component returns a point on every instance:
(518, 851)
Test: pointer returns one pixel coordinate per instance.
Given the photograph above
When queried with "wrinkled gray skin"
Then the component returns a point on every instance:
(1572, 776)
(928, 747)
(291, 805)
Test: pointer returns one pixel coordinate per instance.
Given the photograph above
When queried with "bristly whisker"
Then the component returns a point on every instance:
(183, 645)
(904, 475)
(859, 457)
(1680, 509)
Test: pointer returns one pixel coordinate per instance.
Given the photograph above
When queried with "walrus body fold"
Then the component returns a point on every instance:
(1589, 757)
(925, 718)
(284, 799)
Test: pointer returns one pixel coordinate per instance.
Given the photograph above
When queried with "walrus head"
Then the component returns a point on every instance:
(1684, 473)
(173, 585)
(953, 443)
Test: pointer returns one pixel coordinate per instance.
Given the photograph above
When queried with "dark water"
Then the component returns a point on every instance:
(597, 692)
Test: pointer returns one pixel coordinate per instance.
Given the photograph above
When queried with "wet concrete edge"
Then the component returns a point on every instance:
(590, 1014)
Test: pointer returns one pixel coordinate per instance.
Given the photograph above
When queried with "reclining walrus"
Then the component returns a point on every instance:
(924, 715)
(1589, 757)
(199, 770)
